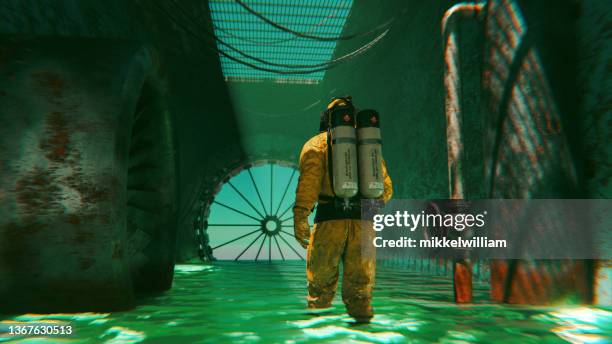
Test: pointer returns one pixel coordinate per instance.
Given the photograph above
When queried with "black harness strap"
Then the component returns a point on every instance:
(331, 208)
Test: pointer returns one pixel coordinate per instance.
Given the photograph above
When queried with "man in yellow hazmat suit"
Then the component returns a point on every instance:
(336, 237)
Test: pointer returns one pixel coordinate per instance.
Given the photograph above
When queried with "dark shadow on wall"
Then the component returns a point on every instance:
(206, 126)
(552, 26)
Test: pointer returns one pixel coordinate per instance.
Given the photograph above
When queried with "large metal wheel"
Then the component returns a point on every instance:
(251, 217)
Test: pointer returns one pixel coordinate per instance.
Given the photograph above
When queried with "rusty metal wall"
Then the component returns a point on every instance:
(198, 101)
(64, 142)
(532, 149)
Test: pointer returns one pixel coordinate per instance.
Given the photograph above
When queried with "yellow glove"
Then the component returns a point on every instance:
(301, 228)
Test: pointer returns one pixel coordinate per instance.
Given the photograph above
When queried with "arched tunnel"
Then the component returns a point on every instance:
(150, 156)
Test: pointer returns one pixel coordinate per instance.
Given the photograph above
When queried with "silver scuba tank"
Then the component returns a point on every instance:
(369, 146)
(343, 150)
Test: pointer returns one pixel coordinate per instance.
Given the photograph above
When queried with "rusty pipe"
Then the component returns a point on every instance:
(452, 85)
(462, 268)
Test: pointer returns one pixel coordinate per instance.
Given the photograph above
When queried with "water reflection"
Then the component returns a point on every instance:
(248, 302)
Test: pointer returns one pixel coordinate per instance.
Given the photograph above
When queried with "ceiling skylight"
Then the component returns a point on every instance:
(249, 34)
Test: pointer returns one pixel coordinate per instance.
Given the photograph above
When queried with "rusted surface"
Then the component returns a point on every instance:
(462, 278)
(538, 282)
(37, 193)
(533, 159)
(56, 143)
(61, 184)
(499, 270)
(41, 189)
(50, 81)
(91, 191)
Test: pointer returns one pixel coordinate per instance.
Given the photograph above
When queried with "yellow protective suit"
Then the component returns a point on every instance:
(333, 241)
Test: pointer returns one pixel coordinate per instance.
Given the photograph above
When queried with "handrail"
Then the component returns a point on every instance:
(462, 267)
(452, 84)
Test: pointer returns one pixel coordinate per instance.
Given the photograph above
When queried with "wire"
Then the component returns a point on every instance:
(309, 36)
(350, 55)
(254, 42)
(222, 53)
(276, 115)
(274, 42)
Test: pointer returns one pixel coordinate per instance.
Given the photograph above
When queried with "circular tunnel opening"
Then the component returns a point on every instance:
(251, 217)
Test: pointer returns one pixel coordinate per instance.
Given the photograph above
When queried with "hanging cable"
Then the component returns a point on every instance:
(274, 42)
(325, 66)
(309, 36)
(267, 114)
(254, 42)
(210, 46)
(340, 59)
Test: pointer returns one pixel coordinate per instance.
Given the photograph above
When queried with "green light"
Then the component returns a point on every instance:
(235, 26)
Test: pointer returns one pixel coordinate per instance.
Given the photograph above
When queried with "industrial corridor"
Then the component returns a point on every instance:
(265, 171)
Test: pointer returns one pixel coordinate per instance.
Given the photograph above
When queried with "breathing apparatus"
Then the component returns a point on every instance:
(354, 151)
(369, 147)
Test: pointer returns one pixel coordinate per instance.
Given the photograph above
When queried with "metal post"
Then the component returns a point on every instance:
(462, 269)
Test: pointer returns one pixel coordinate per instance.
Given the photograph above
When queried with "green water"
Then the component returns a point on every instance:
(264, 303)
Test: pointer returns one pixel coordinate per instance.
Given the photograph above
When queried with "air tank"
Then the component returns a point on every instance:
(369, 146)
(344, 150)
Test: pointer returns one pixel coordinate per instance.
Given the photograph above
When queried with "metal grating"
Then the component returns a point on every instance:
(235, 26)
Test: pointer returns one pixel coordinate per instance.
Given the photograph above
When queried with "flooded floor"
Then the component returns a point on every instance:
(264, 303)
